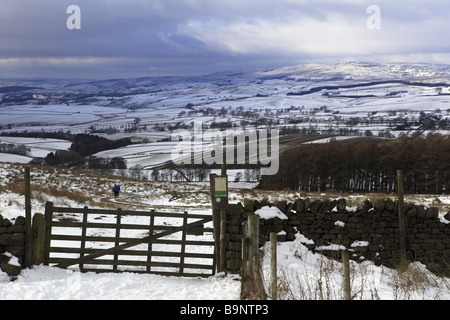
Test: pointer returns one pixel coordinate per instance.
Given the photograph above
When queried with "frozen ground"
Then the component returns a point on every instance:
(302, 275)
(47, 283)
(305, 275)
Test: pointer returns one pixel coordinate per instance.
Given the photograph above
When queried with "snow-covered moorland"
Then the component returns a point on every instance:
(346, 99)
(302, 273)
(350, 98)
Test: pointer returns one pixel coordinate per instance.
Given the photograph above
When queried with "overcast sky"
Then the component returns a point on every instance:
(136, 38)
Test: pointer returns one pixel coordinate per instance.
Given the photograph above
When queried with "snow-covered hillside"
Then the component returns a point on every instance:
(330, 96)
(362, 99)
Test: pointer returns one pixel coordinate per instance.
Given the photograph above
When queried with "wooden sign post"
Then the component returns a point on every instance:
(219, 196)
(28, 214)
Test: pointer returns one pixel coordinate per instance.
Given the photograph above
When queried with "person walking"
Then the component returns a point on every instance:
(116, 190)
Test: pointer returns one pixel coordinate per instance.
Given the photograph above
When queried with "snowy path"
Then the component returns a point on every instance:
(47, 283)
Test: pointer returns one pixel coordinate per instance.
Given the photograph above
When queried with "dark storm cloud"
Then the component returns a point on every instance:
(156, 37)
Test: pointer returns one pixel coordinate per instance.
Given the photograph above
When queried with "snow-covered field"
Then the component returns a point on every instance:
(39, 148)
(14, 158)
(144, 109)
(302, 274)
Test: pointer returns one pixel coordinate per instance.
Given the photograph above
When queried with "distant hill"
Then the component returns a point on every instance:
(10, 89)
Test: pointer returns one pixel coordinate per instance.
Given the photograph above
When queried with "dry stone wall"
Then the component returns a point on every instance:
(369, 232)
(12, 245)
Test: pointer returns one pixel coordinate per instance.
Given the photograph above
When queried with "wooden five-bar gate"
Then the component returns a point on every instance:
(97, 240)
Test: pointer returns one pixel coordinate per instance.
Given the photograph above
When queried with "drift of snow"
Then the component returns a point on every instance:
(359, 244)
(306, 275)
(339, 224)
(270, 213)
(14, 261)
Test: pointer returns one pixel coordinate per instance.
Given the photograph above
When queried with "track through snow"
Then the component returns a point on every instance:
(49, 283)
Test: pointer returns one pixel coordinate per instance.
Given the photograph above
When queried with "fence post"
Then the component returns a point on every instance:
(223, 225)
(253, 236)
(245, 263)
(346, 275)
(48, 231)
(28, 236)
(38, 240)
(216, 222)
(150, 243)
(244, 251)
(223, 240)
(183, 243)
(83, 236)
(252, 284)
(401, 217)
(117, 237)
(219, 201)
(273, 265)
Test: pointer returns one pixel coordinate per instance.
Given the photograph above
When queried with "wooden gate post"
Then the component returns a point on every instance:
(38, 239)
(346, 288)
(244, 251)
(83, 236)
(183, 242)
(28, 237)
(253, 236)
(223, 240)
(252, 285)
(117, 237)
(223, 221)
(219, 199)
(150, 244)
(48, 231)
(273, 265)
(216, 222)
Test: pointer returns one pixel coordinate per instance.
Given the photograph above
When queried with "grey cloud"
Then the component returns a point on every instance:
(193, 36)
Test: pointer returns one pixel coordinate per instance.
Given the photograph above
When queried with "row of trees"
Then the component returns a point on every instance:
(19, 149)
(86, 144)
(73, 159)
(83, 144)
(366, 166)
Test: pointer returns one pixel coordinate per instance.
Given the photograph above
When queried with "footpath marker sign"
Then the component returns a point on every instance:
(220, 191)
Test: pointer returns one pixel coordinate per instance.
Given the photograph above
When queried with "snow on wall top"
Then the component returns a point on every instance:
(270, 213)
